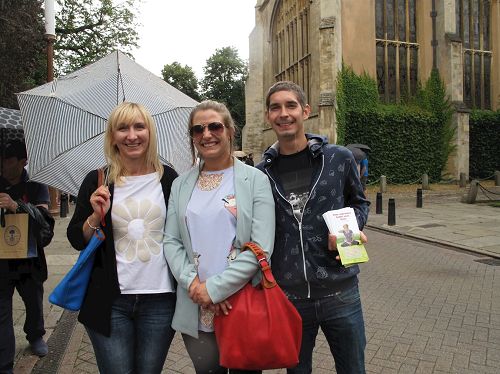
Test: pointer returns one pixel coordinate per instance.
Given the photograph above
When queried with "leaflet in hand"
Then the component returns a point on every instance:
(343, 224)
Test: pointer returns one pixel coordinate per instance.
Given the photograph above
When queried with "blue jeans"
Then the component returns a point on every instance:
(341, 320)
(140, 335)
(31, 291)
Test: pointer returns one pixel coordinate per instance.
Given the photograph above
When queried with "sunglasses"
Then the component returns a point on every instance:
(198, 130)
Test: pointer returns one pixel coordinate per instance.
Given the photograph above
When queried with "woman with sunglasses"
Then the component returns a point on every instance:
(130, 300)
(214, 208)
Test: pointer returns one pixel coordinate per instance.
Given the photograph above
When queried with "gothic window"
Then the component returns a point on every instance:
(397, 49)
(291, 54)
(473, 26)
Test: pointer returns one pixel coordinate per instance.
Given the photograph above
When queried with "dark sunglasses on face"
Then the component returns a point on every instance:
(198, 130)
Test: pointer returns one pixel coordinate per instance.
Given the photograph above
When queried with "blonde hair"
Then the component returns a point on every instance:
(126, 113)
(227, 120)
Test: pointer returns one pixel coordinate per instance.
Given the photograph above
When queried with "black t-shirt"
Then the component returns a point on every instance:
(295, 172)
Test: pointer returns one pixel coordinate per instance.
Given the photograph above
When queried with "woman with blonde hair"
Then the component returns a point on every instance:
(130, 300)
(214, 209)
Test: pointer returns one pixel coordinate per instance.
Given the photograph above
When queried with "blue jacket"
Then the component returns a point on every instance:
(302, 264)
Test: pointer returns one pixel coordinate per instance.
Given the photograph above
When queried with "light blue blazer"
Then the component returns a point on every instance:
(255, 221)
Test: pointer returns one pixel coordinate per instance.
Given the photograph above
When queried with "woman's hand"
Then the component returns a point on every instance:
(332, 242)
(222, 307)
(100, 198)
(199, 294)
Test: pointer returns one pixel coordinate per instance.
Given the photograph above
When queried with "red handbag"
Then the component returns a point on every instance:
(263, 330)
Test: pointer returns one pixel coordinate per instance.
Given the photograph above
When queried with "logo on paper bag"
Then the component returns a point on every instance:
(12, 235)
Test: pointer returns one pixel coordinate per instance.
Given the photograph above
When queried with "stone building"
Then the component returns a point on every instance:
(397, 42)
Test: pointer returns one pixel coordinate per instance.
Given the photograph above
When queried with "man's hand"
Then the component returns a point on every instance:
(332, 242)
(6, 202)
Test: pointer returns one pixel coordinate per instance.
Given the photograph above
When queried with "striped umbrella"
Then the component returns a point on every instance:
(65, 120)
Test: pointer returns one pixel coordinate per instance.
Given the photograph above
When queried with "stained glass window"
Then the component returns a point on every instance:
(473, 25)
(397, 48)
(291, 55)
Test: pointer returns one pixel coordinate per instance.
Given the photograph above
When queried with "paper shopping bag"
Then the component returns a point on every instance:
(14, 237)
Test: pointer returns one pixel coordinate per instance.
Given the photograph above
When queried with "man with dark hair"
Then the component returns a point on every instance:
(17, 195)
(305, 262)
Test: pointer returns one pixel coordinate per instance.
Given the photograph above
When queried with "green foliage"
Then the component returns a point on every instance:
(484, 143)
(434, 99)
(407, 140)
(354, 92)
(403, 141)
(182, 78)
(224, 81)
(22, 49)
(88, 30)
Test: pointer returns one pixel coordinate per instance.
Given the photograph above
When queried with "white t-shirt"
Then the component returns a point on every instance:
(138, 215)
(211, 220)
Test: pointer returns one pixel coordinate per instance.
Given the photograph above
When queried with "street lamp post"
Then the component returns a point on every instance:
(50, 37)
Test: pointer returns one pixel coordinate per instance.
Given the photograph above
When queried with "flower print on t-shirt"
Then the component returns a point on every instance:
(137, 229)
(230, 204)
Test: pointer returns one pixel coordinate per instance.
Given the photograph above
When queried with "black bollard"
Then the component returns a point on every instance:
(64, 205)
(379, 203)
(419, 198)
(391, 218)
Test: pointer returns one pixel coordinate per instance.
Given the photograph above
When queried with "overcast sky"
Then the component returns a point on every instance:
(189, 31)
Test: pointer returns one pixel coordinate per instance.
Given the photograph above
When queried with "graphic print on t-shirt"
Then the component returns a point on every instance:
(230, 204)
(137, 228)
(295, 173)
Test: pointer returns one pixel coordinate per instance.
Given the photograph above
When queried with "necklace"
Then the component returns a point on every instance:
(207, 182)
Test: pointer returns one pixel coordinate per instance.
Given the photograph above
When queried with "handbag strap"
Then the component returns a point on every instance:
(100, 180)
(268, 280)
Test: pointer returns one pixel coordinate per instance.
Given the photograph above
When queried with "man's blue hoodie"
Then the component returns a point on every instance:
(302, 264)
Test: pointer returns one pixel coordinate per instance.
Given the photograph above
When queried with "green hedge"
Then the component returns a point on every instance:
(405, 142)
(407, 139)
(484, 143)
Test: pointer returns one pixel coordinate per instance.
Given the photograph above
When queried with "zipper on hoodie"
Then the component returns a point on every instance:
(300, 222)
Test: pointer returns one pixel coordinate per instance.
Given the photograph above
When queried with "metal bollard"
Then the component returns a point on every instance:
(463, 180)
(379, 203)
(383, 184)
(419, 198)
(391, 218)
(64, 205)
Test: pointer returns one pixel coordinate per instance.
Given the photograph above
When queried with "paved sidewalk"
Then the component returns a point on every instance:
(428, 308)
(443, 219)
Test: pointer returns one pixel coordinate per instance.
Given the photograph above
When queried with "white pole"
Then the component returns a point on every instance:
(50, 18)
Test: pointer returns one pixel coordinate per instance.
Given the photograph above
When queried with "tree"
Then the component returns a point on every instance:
(225, 75)
(90, 29)
(182, 78)
(22, 57)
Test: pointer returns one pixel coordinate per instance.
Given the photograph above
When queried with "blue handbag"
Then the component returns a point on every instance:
(70, 292)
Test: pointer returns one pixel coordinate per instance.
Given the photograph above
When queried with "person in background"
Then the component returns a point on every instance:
(249, 160)
(130, 300)
(18, 195)
(214, 209)
(363, 172)
(305, 261)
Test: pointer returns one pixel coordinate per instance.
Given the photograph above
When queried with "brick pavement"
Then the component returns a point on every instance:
(428, 309)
